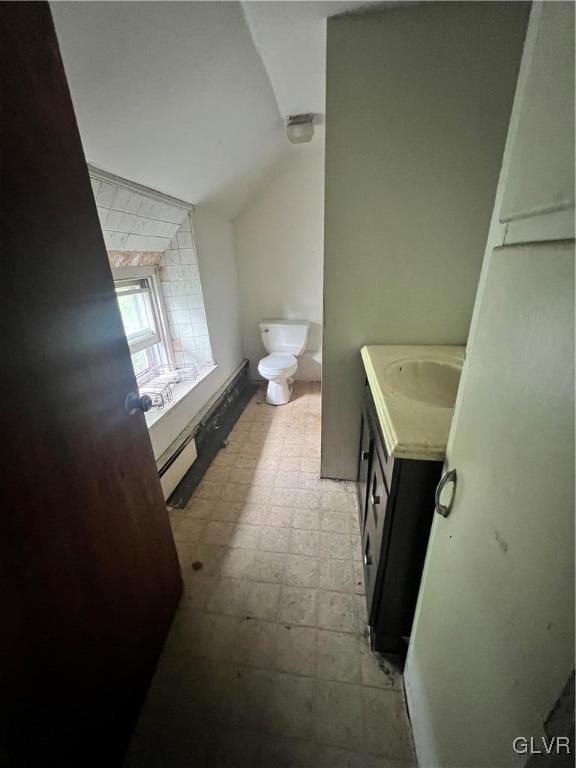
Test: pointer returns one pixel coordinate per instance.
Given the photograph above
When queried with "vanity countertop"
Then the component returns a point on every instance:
(412, 428)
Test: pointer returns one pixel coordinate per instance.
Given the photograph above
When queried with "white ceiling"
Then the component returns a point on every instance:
(291, 39)
(171, 95)
(190, 98)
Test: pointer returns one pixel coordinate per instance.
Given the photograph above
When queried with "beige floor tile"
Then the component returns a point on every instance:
(208, 490)
(238, 563)
(356, 544)
(298, 606)
(245, 536)
(211, 635)
(264, 477)
(263, 600)
(226, 511)
(252, 514)
(338, 715)
(268, 566)
(386, 728)
(279, 517)
(291, 706)
(240, 475)
(286, 479)
(304, 542)
(267, 462)
(361, 614)
(336, 575)
(338, 502)
(377, 671)
(335, 545)
(307, 519)
(336, 611)
(208, 558)
(225, 458)
(215, 474)
(358, 578)
(301, 571)
(255, 643)
(338, 657)
(275, 539)
(245, 700)
(197, 590)
(199, 508)
(186, 551)
(289, 463)
(217, 532)
(309, 465)
(228, 596)
(296, 649)
(189, 529)
(335, 522)
(246, 461)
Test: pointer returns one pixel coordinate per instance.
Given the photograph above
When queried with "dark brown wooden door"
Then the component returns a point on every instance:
(89, 578)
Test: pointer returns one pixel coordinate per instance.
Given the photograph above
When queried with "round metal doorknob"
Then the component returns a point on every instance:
(134, 402)
(448, 477)
(365, 455)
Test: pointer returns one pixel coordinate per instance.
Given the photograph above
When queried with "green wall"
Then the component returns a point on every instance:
(418, 104)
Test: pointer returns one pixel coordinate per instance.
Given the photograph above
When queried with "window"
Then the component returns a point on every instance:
(143, 316)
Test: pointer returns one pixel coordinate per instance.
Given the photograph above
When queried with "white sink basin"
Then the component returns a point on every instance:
(428, 381)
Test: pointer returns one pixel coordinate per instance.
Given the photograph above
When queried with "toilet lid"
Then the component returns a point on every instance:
(278, 361)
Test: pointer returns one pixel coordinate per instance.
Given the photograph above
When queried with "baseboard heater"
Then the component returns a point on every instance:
(175, 469)
(179, 457)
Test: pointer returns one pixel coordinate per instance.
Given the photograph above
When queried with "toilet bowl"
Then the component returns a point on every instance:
(285, 340)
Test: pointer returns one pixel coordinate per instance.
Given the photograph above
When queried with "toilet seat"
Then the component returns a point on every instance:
(278, 364)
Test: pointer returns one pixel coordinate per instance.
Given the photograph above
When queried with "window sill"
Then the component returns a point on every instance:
(180, 391)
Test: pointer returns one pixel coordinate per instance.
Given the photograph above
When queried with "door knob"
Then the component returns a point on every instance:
(135, 403)
(448, 477)
(365, 455)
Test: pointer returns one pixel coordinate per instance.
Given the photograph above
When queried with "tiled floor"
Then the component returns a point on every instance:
(267, 663)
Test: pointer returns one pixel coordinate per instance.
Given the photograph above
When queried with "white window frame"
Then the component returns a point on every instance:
(162, 336)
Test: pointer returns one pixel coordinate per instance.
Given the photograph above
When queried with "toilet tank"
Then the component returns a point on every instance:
(288, 336)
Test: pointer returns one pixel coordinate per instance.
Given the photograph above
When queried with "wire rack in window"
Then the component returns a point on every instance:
(160, 381)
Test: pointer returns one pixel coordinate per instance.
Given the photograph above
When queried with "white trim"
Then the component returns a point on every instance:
(158, 304)
(155, 194)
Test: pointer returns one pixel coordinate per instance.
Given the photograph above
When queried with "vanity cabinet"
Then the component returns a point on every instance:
(396, 504)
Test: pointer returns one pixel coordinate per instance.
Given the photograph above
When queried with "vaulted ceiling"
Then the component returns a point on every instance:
(190, 98)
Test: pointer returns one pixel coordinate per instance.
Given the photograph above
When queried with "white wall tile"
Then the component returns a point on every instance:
(133, 204)
(190, 272)
(188, 256)
(112, 221)
(181, 316)
(174, 273)
(195, 302)
(181, 302)
(197, 316)
(106, 194)
(178, 289)
(185, 330)
(172, 258)
(185, 239)
(192, 286)
(95, 186)
(121, 199)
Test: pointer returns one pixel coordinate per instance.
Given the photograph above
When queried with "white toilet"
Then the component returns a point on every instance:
(285, 340)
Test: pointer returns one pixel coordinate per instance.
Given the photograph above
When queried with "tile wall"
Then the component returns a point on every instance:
(144, 230)
(134, 221)
(184, 302)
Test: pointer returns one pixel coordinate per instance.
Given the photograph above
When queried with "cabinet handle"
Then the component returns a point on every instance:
(448, 477)
(375, 500)
(367, 560)
(365, 455)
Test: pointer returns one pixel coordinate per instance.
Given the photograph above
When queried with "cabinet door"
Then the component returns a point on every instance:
(374, 545)
(364, 462)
